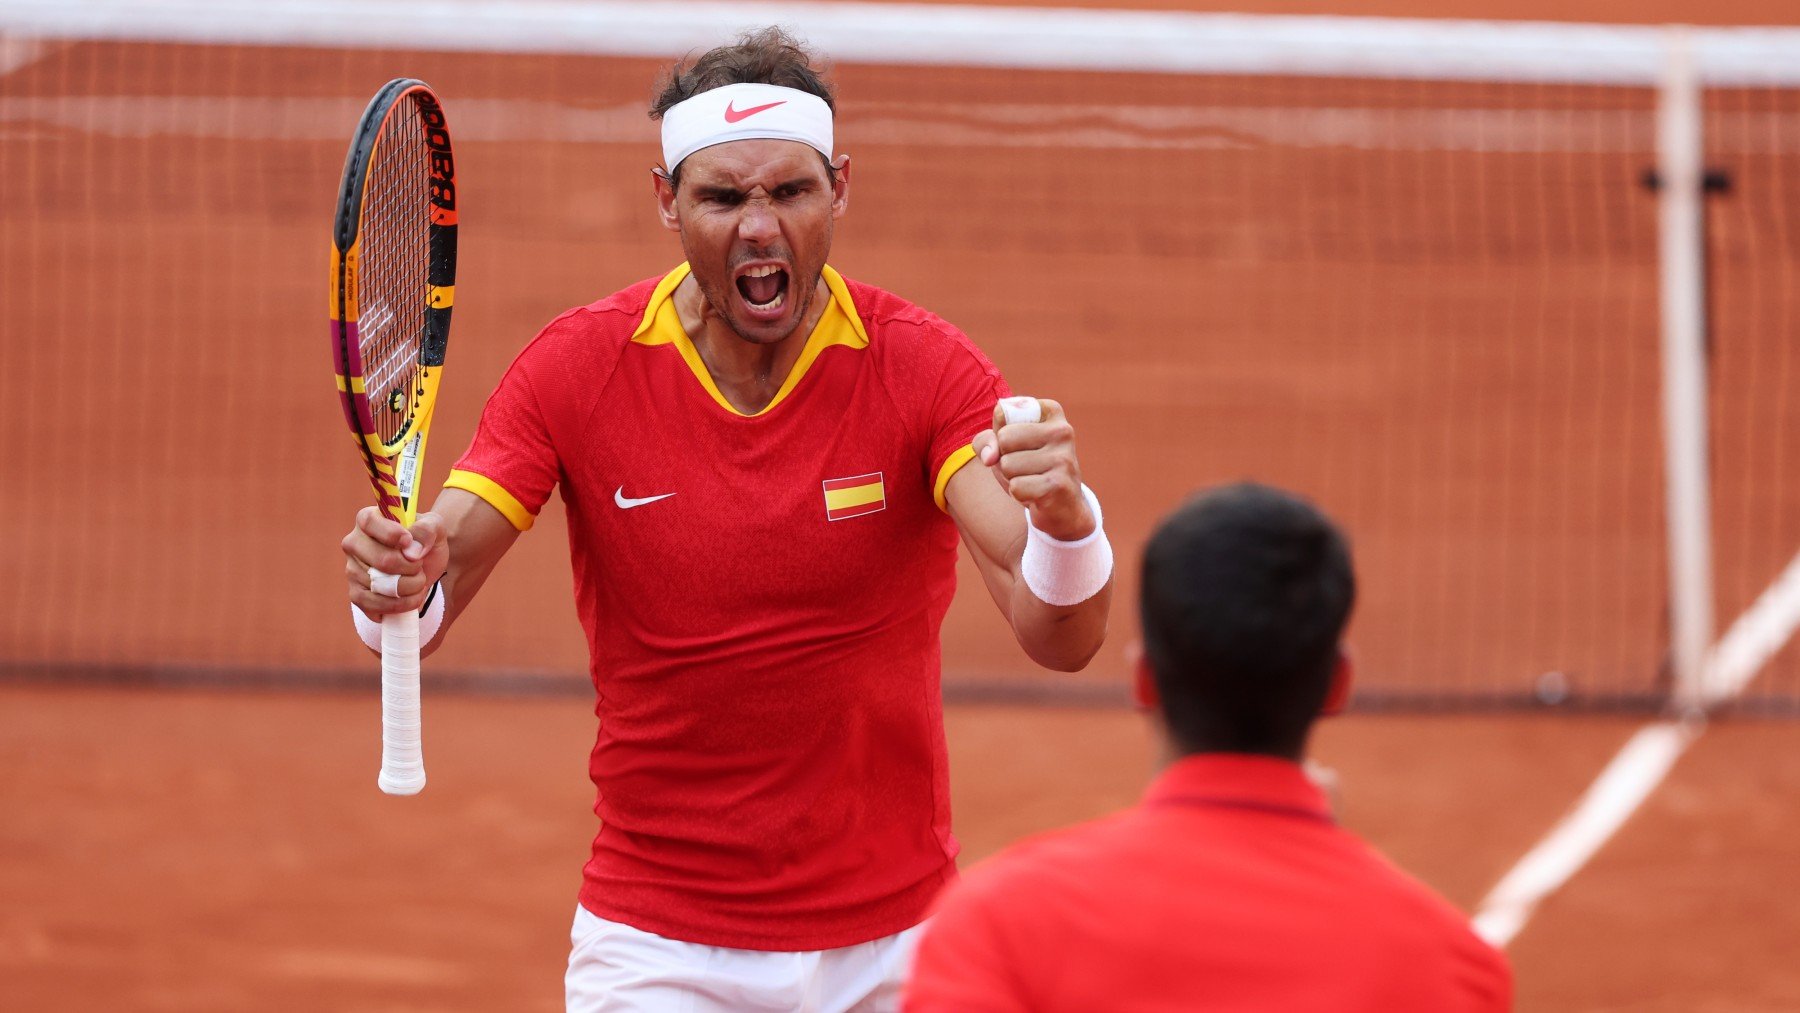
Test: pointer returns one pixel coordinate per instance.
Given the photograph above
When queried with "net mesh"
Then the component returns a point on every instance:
(1753, 252)
(1431, 306)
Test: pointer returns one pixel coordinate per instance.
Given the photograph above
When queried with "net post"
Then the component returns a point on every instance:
(1684, 371)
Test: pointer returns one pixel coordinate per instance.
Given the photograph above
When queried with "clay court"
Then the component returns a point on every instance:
(185, 850)
(1450, 343)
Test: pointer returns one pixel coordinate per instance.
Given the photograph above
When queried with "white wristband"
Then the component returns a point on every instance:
(430, 618)
(1067, 573)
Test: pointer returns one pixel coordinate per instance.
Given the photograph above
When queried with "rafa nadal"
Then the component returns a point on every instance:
(767, 469)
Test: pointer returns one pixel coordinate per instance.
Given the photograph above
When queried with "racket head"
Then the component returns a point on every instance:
(393, 283)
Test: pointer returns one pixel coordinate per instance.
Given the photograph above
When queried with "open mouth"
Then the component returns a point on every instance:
(764, 288)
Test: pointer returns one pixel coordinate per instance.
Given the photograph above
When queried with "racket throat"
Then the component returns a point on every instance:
(406, 468)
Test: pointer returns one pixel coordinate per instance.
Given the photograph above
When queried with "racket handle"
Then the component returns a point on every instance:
(402, 759)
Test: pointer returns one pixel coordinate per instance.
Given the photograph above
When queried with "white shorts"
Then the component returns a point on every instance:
(615, 968)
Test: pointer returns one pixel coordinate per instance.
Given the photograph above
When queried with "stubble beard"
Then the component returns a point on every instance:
(722, 307)
(721, 301)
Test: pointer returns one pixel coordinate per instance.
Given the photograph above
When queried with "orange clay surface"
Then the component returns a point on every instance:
(187, 850)
(184, 850)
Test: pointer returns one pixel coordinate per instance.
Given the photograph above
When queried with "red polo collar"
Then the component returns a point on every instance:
(1239, 781)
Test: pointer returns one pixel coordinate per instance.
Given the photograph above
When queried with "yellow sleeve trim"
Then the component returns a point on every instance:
(952, 464)
(496, 496)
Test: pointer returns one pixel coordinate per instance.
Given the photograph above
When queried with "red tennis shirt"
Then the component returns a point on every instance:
(1228, 889)
(761, 596)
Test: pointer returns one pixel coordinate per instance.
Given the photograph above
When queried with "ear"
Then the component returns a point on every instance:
(840, 186)
(1143, 681)
(665, 200)
(1338, 696)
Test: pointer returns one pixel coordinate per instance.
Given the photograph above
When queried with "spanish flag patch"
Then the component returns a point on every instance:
(854, 496)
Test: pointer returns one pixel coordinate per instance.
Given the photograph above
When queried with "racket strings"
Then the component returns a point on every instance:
(393, 286)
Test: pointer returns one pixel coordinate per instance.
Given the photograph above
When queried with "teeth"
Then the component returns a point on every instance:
(763, 272)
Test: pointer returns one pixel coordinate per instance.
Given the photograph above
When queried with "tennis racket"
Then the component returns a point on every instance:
(393, 278)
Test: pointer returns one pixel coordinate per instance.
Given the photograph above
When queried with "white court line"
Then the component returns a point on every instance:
(1760, 632)
(1610, 800)
(1640, 766)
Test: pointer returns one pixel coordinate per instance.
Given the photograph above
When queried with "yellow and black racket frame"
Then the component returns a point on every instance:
(394, 464)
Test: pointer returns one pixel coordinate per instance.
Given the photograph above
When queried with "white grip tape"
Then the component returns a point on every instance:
(387, 584)
(1067, 573)
(402, 758)
(398, 637)
(370, 630)
(1021, 409)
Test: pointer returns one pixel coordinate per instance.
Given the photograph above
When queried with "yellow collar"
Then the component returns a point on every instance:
(838, 325)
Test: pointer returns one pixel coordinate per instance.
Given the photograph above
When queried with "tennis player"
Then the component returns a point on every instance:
(1230, 887)
(765, 466)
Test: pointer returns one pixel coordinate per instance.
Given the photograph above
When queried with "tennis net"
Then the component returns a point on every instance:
(1410, 269)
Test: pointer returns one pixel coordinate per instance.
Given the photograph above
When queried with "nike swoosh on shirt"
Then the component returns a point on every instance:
(734, 115)
(626, 503)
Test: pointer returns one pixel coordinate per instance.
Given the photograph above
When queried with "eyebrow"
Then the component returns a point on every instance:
(715, 190)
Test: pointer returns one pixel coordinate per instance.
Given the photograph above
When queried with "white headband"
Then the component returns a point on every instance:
(737, 112)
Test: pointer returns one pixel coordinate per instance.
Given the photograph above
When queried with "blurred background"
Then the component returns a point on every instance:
(1401, 257)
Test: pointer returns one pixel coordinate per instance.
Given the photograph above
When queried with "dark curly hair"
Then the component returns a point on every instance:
(763, 56)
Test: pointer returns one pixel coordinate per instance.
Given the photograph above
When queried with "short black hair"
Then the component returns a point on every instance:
(763, 56)
(1245, 593)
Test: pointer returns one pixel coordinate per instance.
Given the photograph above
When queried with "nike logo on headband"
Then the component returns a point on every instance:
(734, 115)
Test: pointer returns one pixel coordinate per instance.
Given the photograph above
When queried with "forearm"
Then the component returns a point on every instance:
(477, 536)
(1063, 638)
(1055, 594)
(1037, 534)
(457, 586)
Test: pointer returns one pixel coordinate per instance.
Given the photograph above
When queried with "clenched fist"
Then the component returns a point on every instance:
(417, 556)
(1031, 453)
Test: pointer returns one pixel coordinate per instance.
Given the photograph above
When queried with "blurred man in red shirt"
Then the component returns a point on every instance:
(1230, 887)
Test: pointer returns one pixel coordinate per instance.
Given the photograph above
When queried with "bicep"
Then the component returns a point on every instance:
(992, 525)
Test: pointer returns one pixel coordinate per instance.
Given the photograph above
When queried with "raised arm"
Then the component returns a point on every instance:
(460, 540)
(1030, 469)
